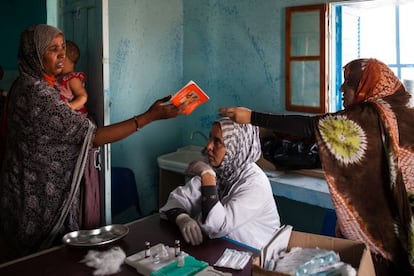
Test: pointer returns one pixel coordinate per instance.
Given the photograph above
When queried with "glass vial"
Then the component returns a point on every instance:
(177, 247)
(180, 260)
(147, 249)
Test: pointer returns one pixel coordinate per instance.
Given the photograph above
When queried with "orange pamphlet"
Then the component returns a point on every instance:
(189, 97)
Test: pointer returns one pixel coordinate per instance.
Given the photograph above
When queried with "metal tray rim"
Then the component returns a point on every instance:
(120, 232)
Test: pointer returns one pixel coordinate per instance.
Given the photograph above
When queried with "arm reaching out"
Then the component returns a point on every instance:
(159, 110)
(240, 115)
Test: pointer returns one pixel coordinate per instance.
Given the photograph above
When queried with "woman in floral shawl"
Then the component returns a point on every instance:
(47, 146)
(367, 153)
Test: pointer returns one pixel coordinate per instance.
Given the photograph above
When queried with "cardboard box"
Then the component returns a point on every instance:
(351, 252)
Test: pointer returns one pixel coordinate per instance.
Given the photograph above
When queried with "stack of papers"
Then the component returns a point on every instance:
(278, 243)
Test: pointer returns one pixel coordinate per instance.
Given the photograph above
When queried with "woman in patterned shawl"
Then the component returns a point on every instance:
(367, 153)
(47, 145)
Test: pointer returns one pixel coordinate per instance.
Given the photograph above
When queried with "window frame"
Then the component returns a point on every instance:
(321, 58)
(335, 15)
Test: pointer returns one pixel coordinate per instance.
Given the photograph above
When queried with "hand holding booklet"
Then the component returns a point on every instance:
(189, 97)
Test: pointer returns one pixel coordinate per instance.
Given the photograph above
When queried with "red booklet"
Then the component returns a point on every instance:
(189, 97)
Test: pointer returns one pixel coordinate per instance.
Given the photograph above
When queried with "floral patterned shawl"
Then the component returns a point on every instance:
(47, 145)
(367, 151)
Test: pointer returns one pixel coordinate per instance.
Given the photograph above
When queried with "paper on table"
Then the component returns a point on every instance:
(234, 259)
(276, 244)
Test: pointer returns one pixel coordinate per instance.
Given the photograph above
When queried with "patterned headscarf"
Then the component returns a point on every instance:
(29, 57)
(243, 147)
(371, 78)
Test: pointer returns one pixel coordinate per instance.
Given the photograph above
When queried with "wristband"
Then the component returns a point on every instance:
(210, 171)
(136, 123)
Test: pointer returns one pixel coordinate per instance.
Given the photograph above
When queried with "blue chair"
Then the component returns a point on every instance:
(124, 193)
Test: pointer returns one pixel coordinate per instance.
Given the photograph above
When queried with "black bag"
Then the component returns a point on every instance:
(291, 154)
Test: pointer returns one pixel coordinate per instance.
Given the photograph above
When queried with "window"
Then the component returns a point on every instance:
(305, 64)
(376, 29)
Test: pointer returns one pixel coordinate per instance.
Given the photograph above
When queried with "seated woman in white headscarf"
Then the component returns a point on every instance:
(228, 197)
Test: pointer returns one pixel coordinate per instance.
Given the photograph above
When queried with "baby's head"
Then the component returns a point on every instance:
(72, 51)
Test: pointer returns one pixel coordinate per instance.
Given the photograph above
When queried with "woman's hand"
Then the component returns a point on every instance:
(199, 168)
(204, 170)
(160, 110)
(240, 115)
(190, 229)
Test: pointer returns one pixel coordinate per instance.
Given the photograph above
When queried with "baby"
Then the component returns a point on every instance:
(72, 84)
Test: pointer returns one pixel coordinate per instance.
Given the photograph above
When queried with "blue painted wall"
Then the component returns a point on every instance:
(233, 49)
(146, 63)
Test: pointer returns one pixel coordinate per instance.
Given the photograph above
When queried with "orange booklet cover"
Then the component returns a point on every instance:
(190, 97)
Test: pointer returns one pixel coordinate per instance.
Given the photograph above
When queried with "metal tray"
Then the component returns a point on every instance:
(94, 237)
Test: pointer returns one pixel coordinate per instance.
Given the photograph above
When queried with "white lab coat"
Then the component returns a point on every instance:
(247, 214)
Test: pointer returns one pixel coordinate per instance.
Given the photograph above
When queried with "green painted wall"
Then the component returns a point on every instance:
(15, 16)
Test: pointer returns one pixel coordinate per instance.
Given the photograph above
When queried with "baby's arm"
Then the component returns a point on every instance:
(79, 92)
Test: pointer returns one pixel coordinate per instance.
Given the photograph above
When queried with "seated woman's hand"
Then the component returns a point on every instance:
(199, 168)
(189, 229)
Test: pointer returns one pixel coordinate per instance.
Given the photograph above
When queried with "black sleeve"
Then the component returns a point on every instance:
(172, 214)
(296, 125)
(209, 198)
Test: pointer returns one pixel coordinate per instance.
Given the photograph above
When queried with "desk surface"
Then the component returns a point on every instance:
(64, 260)
(309, 189)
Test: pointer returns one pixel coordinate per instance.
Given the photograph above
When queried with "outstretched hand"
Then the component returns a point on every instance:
(161, 109)
(240, 115)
